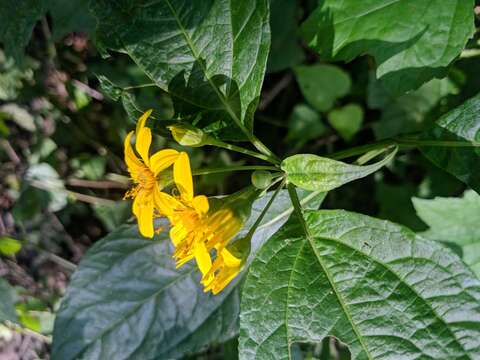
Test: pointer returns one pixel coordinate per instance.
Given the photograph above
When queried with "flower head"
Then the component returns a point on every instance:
(144, 170)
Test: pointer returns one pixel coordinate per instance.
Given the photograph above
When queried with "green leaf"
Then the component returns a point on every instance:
(209, 55)
(454, 220)
(19, 115)
(285, 51)
(313, 172)
(7, 302)
(17, 19)
(70, 16)
(109, 89)
(410, 112)
(347, 120)
(128, 298)
(412, 41)
(322, 84)
(304, 124)
(9, 246)
(376, 286)
(460, 124)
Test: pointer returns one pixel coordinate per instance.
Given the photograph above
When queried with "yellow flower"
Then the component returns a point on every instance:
(224, 269)
(144, 171)
(194, 229)
(185, 211)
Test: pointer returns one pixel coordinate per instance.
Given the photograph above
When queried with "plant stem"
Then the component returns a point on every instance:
(265, 209)
(297, 207)
(206, 171)
(287, 212)
(138, 86)
(409, 142)
(242, 150)
(358, 150)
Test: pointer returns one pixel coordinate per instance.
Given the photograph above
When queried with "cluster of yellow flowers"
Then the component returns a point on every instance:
(196, 231)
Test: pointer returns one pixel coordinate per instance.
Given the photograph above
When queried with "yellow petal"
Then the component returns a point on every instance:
(204, 262)
(132, 161)
(229, 259)
(162, 160)
(142, 143)
(142, 120)
(200, 204)
(166, 204)
(182, 175)
(144, 214)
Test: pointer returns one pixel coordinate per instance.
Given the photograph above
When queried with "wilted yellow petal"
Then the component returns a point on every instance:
(142, 120)
(142, 143)
(182, 175)
(162, 160)
(200, 204)
(132, 161)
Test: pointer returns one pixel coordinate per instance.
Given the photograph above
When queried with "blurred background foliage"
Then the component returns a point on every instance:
(65, 109)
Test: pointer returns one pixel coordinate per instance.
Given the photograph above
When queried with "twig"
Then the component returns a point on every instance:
(10, 151)
(88, 90)
(100, 184)
(277, 89)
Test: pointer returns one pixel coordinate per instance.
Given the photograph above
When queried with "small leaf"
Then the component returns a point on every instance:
(7, 302)
(346, 120)
(454, 220)
(384, 291)
(322, 84)
(461, 124)
(304, 124)
(9, 246)
(313, 172)
(109, 89)
(19, 115)
(432, 34)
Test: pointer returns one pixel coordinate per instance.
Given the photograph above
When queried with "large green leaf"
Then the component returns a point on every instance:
(462, 124)
(378, 287)
(127, 299)
(7, 302)
(454, 220)
(412, 40)
(313, 172)
(209, 55)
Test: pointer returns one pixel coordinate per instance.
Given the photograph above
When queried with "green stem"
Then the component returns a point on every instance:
(402, 141)
(139, 86)
(436, 143)
(297, 208)
(206, 171)
(287, 212)
(265, 209)
(358, 150)
(242, 150)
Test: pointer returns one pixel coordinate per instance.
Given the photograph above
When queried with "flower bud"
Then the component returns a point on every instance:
(261, 179)
(188, 135)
